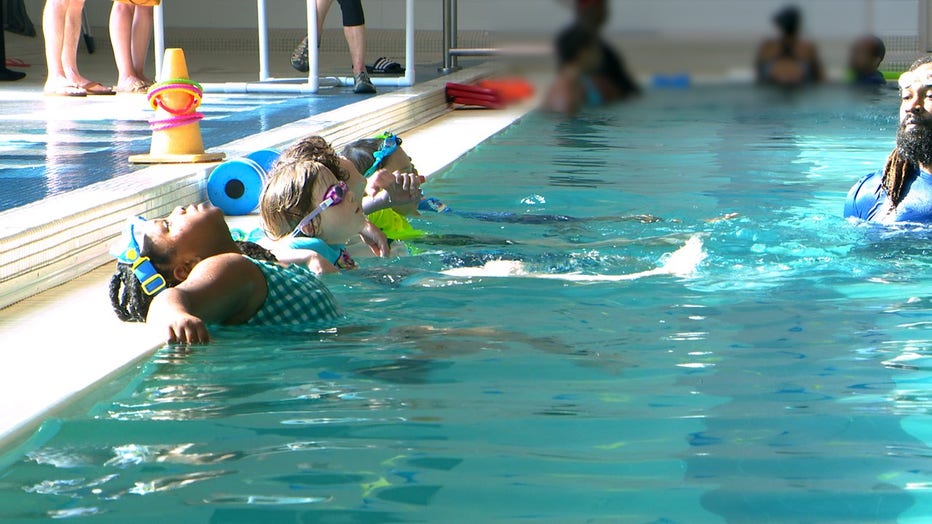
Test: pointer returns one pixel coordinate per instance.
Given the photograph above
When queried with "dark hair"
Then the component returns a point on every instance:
(314, 148)
(899, 172)
(572, 42)
(362, 152)
(878, 47)
(131, 304)
(788, 19)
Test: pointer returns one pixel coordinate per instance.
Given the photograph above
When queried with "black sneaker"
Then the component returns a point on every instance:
(299, 57)
(363, 84)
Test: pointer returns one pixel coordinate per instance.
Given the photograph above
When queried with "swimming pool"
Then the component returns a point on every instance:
(784, 382)
(49, 146)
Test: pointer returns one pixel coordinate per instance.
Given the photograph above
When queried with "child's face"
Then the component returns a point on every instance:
(354, 178)
(399, 161)
(340, 222)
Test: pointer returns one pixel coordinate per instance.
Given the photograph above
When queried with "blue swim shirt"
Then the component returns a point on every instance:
(336, 255)
(868, 200)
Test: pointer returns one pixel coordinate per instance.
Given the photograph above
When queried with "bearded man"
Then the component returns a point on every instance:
(902, 191)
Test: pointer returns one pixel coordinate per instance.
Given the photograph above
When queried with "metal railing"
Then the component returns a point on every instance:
(451, 49)
(268, 84)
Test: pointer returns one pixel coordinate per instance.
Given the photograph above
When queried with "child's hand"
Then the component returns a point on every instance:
(402, 188)
(375, 239)
(187, 329)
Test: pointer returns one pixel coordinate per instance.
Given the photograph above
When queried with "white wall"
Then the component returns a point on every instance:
(719, 18)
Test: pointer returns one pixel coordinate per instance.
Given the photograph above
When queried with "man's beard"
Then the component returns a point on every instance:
(915, 143)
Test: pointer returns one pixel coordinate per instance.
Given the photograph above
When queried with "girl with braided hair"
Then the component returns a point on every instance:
(184, 272)
(902, 190)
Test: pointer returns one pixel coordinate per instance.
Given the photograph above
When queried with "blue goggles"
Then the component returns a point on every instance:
(127, 251)
(390, 144)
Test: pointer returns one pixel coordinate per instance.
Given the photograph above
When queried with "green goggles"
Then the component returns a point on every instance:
(127, 251)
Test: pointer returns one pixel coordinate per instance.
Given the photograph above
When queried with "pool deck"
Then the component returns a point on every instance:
(63, 342)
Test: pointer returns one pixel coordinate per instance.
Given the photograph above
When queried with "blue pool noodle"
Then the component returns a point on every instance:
(235, 186)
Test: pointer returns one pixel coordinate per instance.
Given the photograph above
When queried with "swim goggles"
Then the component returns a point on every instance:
(127, 251)
(390, 143)
(332, 197)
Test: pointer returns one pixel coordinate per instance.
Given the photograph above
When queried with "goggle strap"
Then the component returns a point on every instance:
(151, 280)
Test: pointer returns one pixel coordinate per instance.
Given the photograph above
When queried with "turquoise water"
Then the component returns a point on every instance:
(785, 381)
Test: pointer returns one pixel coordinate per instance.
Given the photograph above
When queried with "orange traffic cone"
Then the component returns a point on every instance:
(176, 131)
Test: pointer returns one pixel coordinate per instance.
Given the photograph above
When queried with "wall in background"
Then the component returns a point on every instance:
(721, 19)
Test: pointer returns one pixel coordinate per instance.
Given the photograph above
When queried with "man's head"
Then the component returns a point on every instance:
(914, 135)
(592, 13)
(789, 20)
(866, 54)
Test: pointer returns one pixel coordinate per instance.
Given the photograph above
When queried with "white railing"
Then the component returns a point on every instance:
(266, 83)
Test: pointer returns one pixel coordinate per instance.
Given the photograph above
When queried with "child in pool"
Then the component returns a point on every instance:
(309, 213)
(387, 196)
(184, 272)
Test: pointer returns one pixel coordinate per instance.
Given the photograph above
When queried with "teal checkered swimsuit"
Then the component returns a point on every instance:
(295, 296)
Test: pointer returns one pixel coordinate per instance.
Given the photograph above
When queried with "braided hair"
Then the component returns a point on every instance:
(129, 301)
(899, 171)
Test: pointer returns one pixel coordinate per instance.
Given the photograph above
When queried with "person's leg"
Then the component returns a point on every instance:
(121, 27)
(53, 30)
(142, 35)
(356, 40)
(6, 74)
(323, 8)
(354, 30)
(299, 55)
(70, 39)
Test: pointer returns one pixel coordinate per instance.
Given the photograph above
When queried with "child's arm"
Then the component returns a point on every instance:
(375, 239)
(226, 289)
(305, 257)
(399, 191)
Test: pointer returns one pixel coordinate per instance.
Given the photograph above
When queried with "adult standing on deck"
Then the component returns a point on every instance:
(130, 32)
(61, 27)
(902, 190)
(354, 30)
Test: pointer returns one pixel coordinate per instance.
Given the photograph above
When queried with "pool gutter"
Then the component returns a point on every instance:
(60, 339)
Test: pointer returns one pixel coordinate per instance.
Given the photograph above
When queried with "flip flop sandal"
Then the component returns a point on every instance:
(15, 62)
(97, 89)
(385, 66)
(67, 91)
(138, 87)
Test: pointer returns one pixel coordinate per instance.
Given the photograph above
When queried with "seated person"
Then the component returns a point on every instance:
(902, 190)
(788, 60)
(588, 69)
(308, 212)
(184, 272)
(865, 58)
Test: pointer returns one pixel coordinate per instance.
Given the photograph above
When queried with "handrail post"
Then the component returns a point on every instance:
(449, 37)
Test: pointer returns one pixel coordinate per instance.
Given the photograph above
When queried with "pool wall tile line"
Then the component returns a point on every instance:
(53, 241)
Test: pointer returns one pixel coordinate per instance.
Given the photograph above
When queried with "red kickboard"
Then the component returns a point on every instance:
(453, 93)
(466, 88)
(467, 101)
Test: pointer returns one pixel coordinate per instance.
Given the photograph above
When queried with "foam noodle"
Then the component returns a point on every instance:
(235, 186)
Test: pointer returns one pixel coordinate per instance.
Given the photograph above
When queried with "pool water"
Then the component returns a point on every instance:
(49, 146)
(785, 381)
